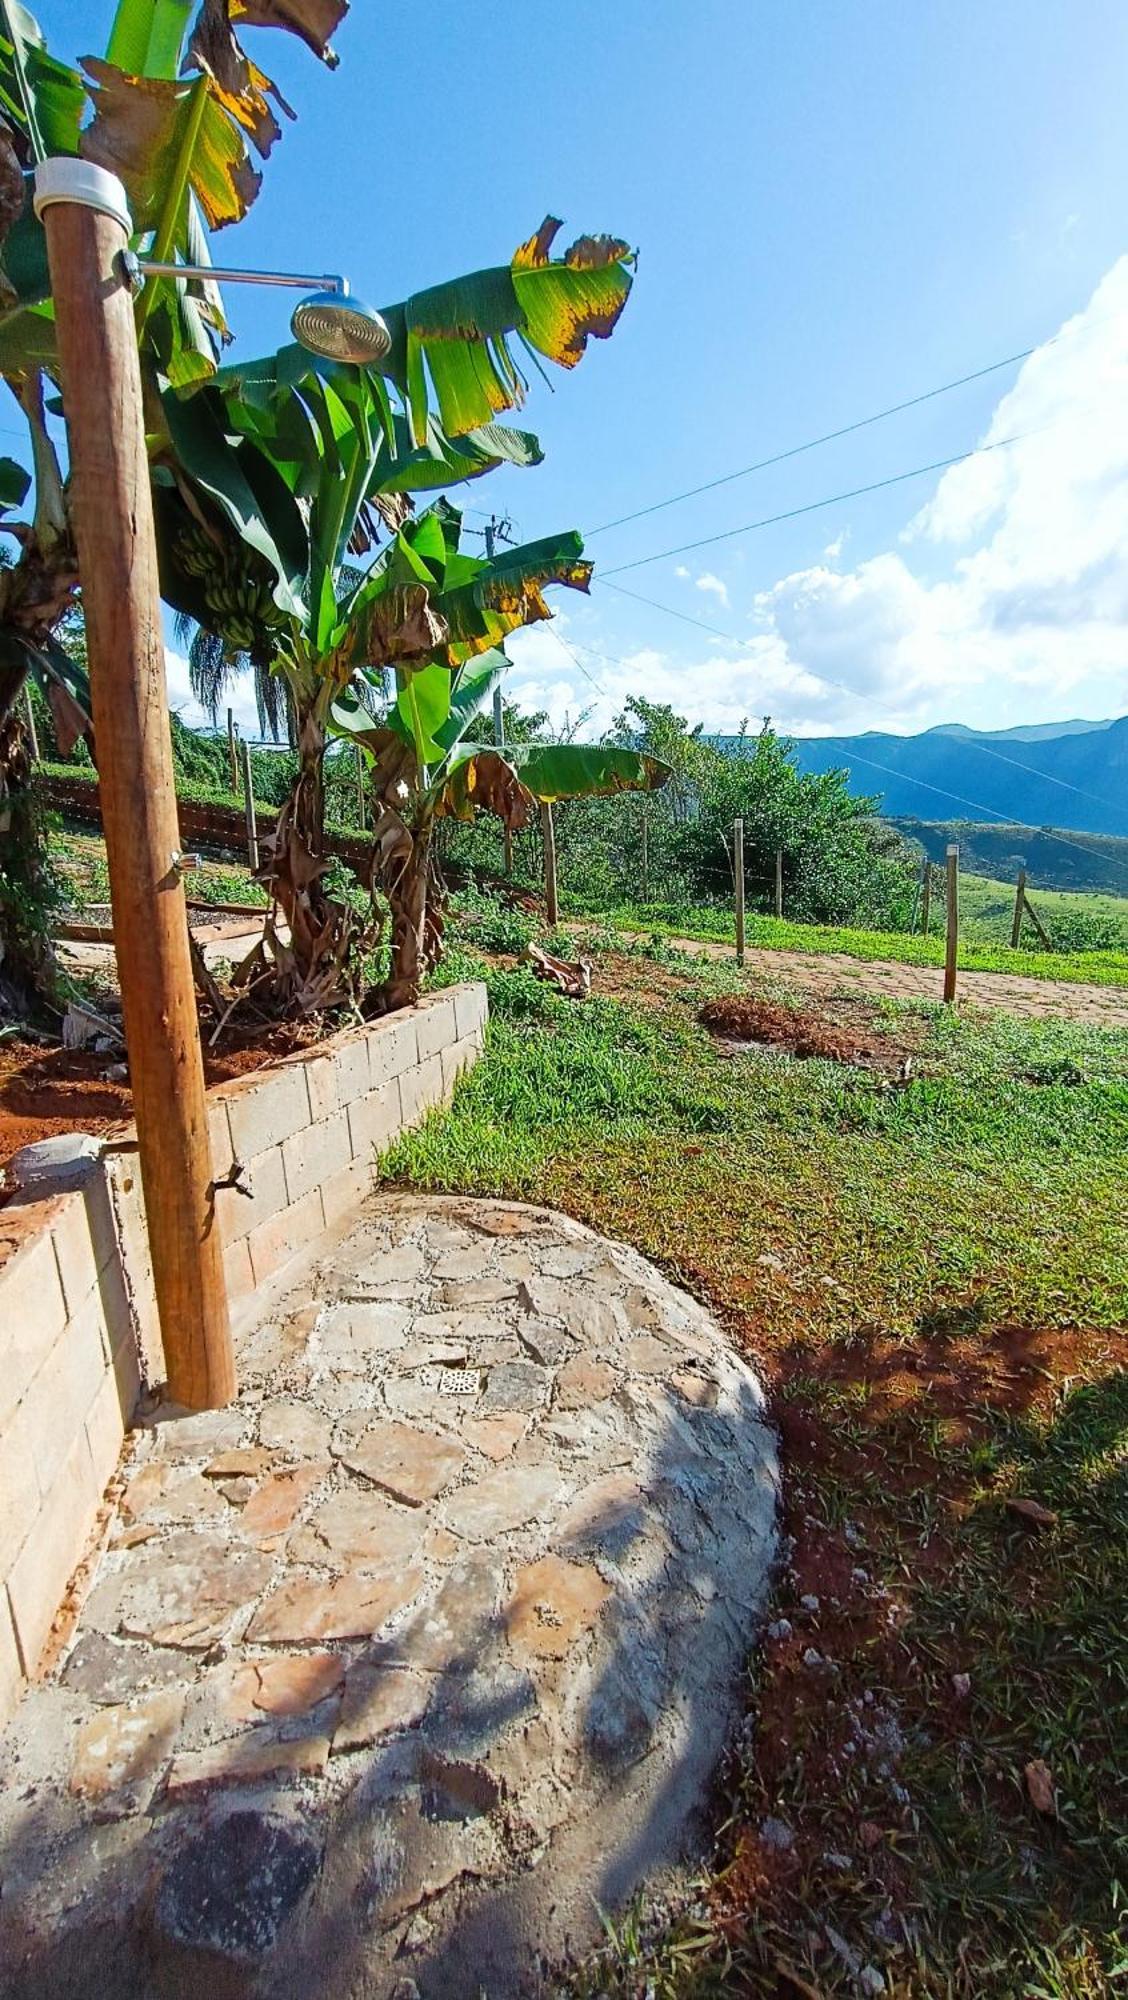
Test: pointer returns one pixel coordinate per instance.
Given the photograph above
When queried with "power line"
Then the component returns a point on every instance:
(1000, 756)
(831, 437)
(813, 506)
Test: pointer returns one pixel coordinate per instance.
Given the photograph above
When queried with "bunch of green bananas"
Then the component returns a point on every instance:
(237, 589)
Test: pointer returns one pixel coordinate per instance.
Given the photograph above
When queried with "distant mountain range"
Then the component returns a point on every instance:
(1064, 774)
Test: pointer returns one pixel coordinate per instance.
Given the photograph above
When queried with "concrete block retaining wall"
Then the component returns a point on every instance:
(79, 1336)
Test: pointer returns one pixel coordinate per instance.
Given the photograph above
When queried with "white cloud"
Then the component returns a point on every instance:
(713, 586)
(240, 698)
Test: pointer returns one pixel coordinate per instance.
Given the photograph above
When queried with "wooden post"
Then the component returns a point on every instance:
(32, 731)
(779, 882)
(1044, 938)
(1019, 900)
(645, 853)
(87, 222)
(925, 895)
(232, 759)
(953, 937)
(549, 832)
(249, 808)
(499, 739)
(738, 882)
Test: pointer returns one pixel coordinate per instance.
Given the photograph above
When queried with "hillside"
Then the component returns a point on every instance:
(1092, 862)
(1076, 778)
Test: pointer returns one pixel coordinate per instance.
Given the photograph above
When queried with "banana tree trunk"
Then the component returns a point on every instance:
(405, 869)
(28, 973)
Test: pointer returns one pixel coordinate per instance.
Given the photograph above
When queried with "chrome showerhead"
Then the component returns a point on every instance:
(340, 328)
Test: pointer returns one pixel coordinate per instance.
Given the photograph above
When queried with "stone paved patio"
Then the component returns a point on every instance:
(392, 1671)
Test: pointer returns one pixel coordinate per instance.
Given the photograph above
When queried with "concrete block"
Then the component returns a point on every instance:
(33, 1311)
(273, 1243)
(392, 1047)
(105, 1431)
(237, 1214)
(352, 1062)
(456, 1060)
(38, 1578)
(421, 1090)
(11, 1672)
(471, 1007)
(346, 1189)
(75, 1252)
(310, 1157)
(59, 1399)
(321, 1083)
(19, 1487)
(264, 1110)
(128, 1205)
(219, 1132)
(435, 1024)
(375, 1120)
(238, 1271)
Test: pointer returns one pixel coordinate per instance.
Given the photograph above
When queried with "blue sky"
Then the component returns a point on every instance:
(837, 205)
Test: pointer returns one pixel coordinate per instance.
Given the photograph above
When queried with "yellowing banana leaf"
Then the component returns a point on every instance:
(484, 780)
(158, 135)
(507, 592)
(457, 333)
(584, 770)
(313, 21)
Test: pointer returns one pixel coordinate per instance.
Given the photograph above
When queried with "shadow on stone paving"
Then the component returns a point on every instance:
(512, 1778)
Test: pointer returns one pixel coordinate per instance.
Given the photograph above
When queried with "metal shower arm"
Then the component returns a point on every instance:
(139, 268)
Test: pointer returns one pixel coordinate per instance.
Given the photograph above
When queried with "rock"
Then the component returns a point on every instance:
(495, 1436)
(245, 1759)
(355, 1530)
(780, 1629)
(646, 1355)
(583, 1381)
(231, 1887)
(247, 1461)
(411, 1464)
(700, 1390)
(106, 1670)
(547, 1343)
(352, 1607)
(553, 1604)
(163, 1495)
(871, 1980)
(294, 1428)
(274, 1505)
(1031, 1513)
(502, 1501)
(809, 1604)
(379, 1701)
(290, 1685)
(185, 1591)
(454, 1789)
(123, 1749)
(178, 1435)
(961, 1686)
(776, 1834)
(455, 1626)
(515, 1385)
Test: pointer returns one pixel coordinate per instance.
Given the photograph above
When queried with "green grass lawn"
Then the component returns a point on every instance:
(978, 952)
(933, 1280)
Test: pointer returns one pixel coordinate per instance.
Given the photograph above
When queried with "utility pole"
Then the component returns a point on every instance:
(87, 222)
(499, 739)
(779, 882)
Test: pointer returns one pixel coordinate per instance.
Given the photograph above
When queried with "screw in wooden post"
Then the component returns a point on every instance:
(952, 941)
(548, 831)
(779, 882)
(738, 883)
(87, 224)
(1019, 900)
(249, 809)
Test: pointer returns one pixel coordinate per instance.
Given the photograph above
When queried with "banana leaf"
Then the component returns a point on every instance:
(584, 770)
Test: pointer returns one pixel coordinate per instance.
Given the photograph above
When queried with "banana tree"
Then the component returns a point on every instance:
(175, 108)
(427, 763)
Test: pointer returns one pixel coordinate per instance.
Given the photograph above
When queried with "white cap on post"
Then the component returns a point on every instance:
(80, 181)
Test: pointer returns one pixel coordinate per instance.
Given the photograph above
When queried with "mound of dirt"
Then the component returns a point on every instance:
(742, 1018)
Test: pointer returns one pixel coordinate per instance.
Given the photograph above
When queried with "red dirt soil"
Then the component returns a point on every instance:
(46, 1090)
(743, 1018)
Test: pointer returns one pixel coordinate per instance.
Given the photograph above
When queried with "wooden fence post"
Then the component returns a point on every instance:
(738, 883)
(548, 831)
(925, 895)
(1019, 900)
(232, 759)
(779, 882)
(249, 809)
(87, 223)
(953, 918)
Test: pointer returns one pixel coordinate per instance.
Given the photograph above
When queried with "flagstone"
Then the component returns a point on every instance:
(411, 1464)
(305, 1609)
(553, 1604)
(358, 1529)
